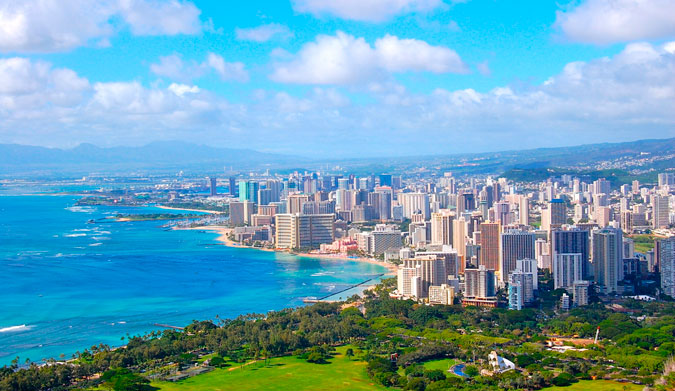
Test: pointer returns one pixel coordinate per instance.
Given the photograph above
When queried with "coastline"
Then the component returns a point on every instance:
(189, 210)
(224, 239)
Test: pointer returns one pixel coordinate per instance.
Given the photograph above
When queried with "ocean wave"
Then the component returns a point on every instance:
(319, 274)
(95, 244)
(15, 329)
(74, 235)
(81, 209)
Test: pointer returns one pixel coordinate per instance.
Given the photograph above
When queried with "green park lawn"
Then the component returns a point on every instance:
(598, 385)
(285, 373)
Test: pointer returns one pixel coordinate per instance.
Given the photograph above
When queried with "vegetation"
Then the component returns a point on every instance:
(643, 243)
(156, 216)
(395, 344)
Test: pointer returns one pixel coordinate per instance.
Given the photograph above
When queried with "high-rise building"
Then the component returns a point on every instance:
(212, 186)
(514, 245)
(232, 186)
(241, 212)
(581, 293)
(489, 245)
(304, 231)
(524, 210)
(503, 213)
(608, 259)
(522, 284)
(479, 283)
(666, 262)
(248, 191)
(601, 185)
(295, 202)
(660, 212)
(567, 269)
(414, 203)
(383, 238)
(666, 179)
(441, 227)
(460, 235)
(404, 280)
(466, 202)
(572, 241)
(432, 270)
(441, 294)
(558, 213)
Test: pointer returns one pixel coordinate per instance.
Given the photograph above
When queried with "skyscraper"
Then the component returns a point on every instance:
(212, 187)
(567, 269)
(572, 241)
(666, 261)
(414, 203)
(479, 283)
(232, 186)
(515, 244)
(441, 227)
(608, 259)
(248, 191)
(524, 210)
(304, 231)
(660, 212)
(489, 237)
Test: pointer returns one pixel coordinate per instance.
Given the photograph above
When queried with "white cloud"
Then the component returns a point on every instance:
(61, 25)
(161, 17)
(609, 21)
(226, 70)
(627, 96)
(174, 68)
(171, 66)
(345, 59)
(263, 33)
(365, 10)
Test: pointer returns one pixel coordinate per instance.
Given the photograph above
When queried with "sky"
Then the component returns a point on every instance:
(345, 78)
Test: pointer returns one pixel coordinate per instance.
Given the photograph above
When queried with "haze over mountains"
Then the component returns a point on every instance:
(167, 156)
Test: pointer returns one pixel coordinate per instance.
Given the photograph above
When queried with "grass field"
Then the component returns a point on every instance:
(598, 385)
(285, 373)
(643, 243)
(443, 364)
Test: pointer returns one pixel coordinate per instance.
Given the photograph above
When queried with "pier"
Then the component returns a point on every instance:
(308, 300)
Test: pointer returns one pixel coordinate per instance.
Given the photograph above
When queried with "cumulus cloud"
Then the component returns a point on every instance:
(174, 68)
(626, 96)
(61, 25)
(610, 21)
(345, 59)
(263, 33)
(365, 10)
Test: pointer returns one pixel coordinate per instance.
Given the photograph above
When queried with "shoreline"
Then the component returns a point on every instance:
(224, 239)
(189, 210)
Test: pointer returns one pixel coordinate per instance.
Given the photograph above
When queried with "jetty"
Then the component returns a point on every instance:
(323, 299)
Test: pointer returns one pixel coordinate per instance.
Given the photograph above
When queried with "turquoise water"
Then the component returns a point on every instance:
(66, 285)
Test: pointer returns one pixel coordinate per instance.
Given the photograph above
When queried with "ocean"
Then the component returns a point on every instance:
(66, 284)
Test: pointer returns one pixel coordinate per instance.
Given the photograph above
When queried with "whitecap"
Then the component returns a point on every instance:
(74, 235)
(15, 329)
(95, 244)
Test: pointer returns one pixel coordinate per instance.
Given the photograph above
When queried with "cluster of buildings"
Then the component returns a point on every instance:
(471, 238)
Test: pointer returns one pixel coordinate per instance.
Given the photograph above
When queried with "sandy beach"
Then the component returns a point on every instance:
(224, 233)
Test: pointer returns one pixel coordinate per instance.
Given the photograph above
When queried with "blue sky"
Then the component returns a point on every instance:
(316, 77)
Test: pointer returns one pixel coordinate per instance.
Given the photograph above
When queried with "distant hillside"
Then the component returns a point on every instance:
(154, 156)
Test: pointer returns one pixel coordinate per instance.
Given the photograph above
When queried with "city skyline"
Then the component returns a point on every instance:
(313, 77)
